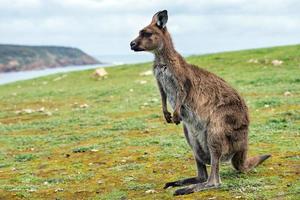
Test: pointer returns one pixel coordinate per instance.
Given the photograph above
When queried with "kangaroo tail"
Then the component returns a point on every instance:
(241, 163)
(255, 161)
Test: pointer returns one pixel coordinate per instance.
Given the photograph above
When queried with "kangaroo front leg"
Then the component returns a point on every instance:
(212, 182)
(163, 95)
(180, 98)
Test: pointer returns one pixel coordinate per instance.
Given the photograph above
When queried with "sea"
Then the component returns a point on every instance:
(107, 60)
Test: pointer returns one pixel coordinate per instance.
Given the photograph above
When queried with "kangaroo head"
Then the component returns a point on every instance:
(151, 38)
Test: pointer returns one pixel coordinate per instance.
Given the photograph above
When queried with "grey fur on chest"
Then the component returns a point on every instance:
(168, 82)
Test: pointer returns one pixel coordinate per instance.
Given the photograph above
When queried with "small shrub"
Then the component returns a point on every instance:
(24, 157)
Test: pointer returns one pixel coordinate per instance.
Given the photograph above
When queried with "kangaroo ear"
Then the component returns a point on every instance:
(160, 18)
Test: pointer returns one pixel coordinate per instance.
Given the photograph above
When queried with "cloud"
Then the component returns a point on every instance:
(107, 26)
(20, 4)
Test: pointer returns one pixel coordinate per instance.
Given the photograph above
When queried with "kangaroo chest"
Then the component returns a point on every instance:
(168, 82)
(197, 133)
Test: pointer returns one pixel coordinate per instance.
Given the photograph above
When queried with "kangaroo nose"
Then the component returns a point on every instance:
(132, 44)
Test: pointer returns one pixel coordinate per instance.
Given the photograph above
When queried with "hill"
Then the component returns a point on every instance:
(70, 136)
(20, 58)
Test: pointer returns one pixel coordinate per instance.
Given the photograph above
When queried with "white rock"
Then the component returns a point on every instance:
(84, 105)
(28, 111)
(58, 190)
(143, 82)
(277, 62)
(32, 190)
(150, 192)
(146, 73)
(48, 113)
(287, 93)
(154, 100)
(252, 60)
(18, 112)
(100, 72)
(42, 109)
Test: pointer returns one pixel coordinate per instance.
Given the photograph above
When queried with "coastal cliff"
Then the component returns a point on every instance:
(24, 58)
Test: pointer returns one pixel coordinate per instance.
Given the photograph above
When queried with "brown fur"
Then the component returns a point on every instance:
(215, 116)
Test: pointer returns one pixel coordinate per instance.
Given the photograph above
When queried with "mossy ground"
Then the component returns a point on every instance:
(119, 146)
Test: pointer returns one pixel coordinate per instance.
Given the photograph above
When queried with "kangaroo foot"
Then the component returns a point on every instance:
(182, 182)
(195, 188)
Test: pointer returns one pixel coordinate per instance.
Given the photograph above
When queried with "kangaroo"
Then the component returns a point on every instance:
(214, 116)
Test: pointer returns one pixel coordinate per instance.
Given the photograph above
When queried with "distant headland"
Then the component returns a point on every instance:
(24, 58)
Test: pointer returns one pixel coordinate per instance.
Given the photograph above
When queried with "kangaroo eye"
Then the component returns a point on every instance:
(147, 34)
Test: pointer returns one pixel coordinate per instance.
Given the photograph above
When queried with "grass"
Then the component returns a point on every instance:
(119, 147)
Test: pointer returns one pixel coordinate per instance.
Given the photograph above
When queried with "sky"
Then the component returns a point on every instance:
(106, 27)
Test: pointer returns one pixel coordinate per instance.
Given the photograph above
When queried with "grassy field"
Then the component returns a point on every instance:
(71, 136)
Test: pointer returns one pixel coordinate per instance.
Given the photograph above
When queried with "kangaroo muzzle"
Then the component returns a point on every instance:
(134, 45)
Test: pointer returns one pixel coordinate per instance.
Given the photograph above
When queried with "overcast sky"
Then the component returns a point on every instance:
(105, 27)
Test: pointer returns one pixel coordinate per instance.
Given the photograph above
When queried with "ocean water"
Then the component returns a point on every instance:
(125, 59)
(108, 60)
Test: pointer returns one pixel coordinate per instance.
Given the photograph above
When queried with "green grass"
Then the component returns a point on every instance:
(119, 146)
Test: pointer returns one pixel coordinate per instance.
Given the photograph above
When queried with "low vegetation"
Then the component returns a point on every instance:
(72, 136)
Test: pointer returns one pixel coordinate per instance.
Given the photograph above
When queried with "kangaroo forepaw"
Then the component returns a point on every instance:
(176, 118)
(168, 116)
